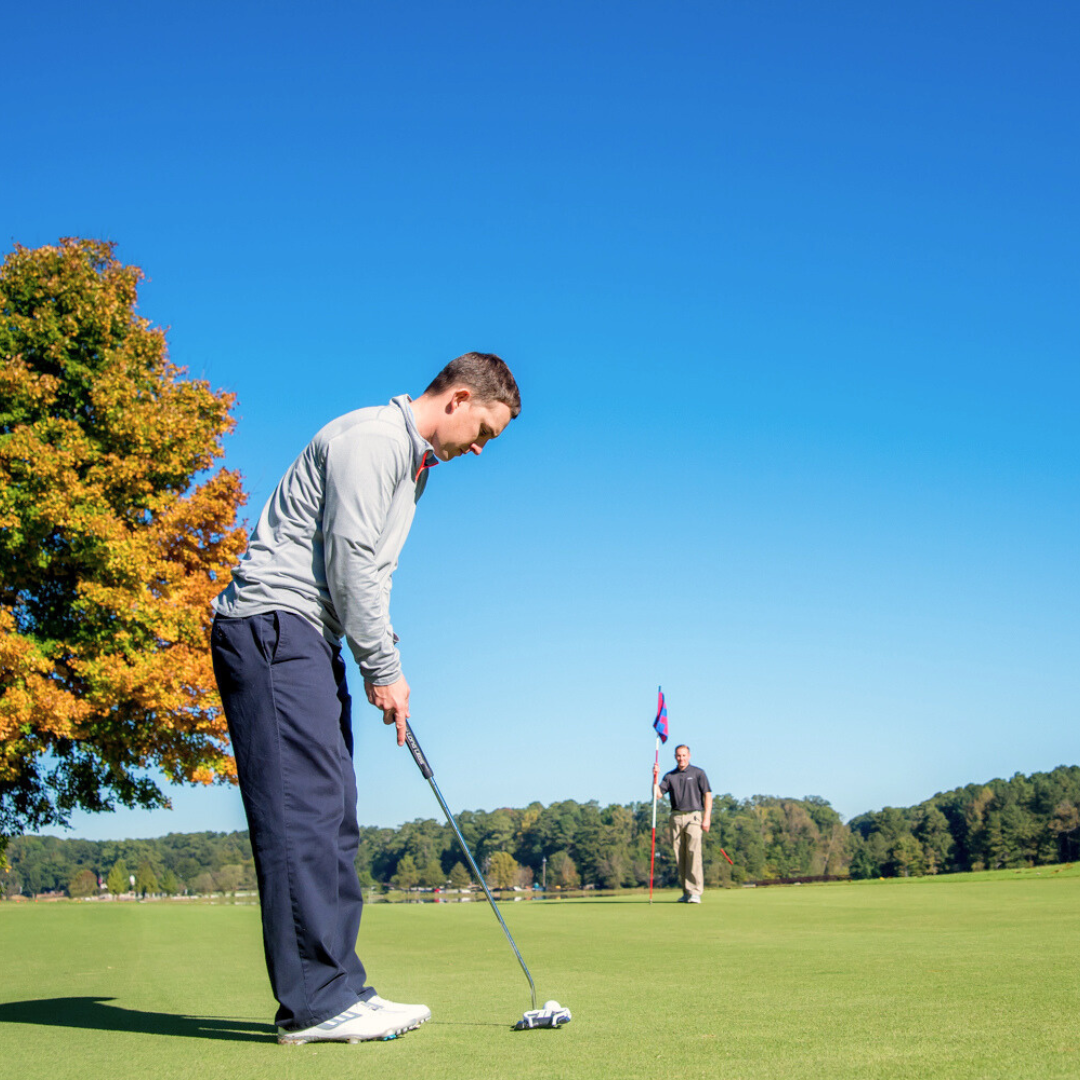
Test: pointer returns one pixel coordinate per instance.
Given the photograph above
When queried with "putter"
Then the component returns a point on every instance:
(552, 1014)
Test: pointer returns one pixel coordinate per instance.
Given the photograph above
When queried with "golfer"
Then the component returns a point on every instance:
(318, 568)
(691, 815)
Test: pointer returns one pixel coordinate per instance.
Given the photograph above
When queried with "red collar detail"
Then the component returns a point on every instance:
(429, 460)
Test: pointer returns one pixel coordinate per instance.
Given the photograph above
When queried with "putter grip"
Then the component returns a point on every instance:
(418, 755)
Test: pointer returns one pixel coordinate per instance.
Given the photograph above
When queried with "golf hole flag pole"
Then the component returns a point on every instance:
(660, 725)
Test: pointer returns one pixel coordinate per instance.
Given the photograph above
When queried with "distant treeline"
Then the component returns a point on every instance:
(1024, 821)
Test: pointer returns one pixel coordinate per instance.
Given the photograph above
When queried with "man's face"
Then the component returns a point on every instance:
(682, 758)
(466, 426)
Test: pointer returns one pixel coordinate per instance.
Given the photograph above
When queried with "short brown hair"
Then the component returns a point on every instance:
(485, 374)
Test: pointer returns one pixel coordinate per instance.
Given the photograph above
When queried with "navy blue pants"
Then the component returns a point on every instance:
(289, 713)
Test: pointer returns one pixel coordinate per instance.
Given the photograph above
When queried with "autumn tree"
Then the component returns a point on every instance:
(83, 884)
(229, 878)
(203, 884)
(114, 537)
(503, 870)
(563, 871)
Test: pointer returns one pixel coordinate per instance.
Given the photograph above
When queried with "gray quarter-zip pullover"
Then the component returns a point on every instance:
(328, 540)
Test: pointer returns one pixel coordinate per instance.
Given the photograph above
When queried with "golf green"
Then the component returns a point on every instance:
(970, 976)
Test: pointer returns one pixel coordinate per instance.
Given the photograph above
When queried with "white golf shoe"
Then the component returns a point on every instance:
(416, 1014)
(365, 1021)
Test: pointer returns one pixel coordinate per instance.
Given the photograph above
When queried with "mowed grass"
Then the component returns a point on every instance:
(970, 976)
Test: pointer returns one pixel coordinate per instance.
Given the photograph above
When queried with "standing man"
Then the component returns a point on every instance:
(318, 568)
(691, 815)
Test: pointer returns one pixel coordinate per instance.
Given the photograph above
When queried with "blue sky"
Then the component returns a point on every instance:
(790, 291)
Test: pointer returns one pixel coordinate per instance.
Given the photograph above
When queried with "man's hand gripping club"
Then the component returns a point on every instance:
(393, 699)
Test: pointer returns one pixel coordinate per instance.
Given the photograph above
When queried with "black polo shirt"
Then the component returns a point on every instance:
(687, 789)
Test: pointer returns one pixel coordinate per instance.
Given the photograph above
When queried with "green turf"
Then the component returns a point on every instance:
(970, 976)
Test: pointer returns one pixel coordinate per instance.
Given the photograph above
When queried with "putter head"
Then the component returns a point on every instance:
(552, 1015)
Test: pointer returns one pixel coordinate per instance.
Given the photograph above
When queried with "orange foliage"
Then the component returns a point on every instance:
(114, 538)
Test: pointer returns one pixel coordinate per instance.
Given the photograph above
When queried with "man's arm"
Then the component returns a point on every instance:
(659, 789)
(706, 818)
(362, 474)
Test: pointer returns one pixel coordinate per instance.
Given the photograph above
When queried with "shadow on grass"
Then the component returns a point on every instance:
(605, 899)
(95, 1013)
(469, 1023)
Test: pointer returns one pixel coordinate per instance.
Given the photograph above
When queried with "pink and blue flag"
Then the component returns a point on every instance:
(660, 723)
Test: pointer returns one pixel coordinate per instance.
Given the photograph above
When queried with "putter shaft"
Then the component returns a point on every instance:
(429, 775)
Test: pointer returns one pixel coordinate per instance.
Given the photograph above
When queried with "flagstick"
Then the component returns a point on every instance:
(652, 852)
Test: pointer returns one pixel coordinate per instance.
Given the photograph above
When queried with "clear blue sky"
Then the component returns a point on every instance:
(791, 294)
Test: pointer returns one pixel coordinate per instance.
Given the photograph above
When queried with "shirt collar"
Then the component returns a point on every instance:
(423, 452)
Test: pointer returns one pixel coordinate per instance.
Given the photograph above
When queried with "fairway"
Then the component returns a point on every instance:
(972, 976)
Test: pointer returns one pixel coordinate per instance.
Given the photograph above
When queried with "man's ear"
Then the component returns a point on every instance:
(458, 398)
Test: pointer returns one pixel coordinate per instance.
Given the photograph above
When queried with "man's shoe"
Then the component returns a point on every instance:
(416, 1014)
(693, 899)
(684, 899)
(362, 1023)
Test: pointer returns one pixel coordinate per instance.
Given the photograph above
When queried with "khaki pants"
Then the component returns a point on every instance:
(686, 842)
